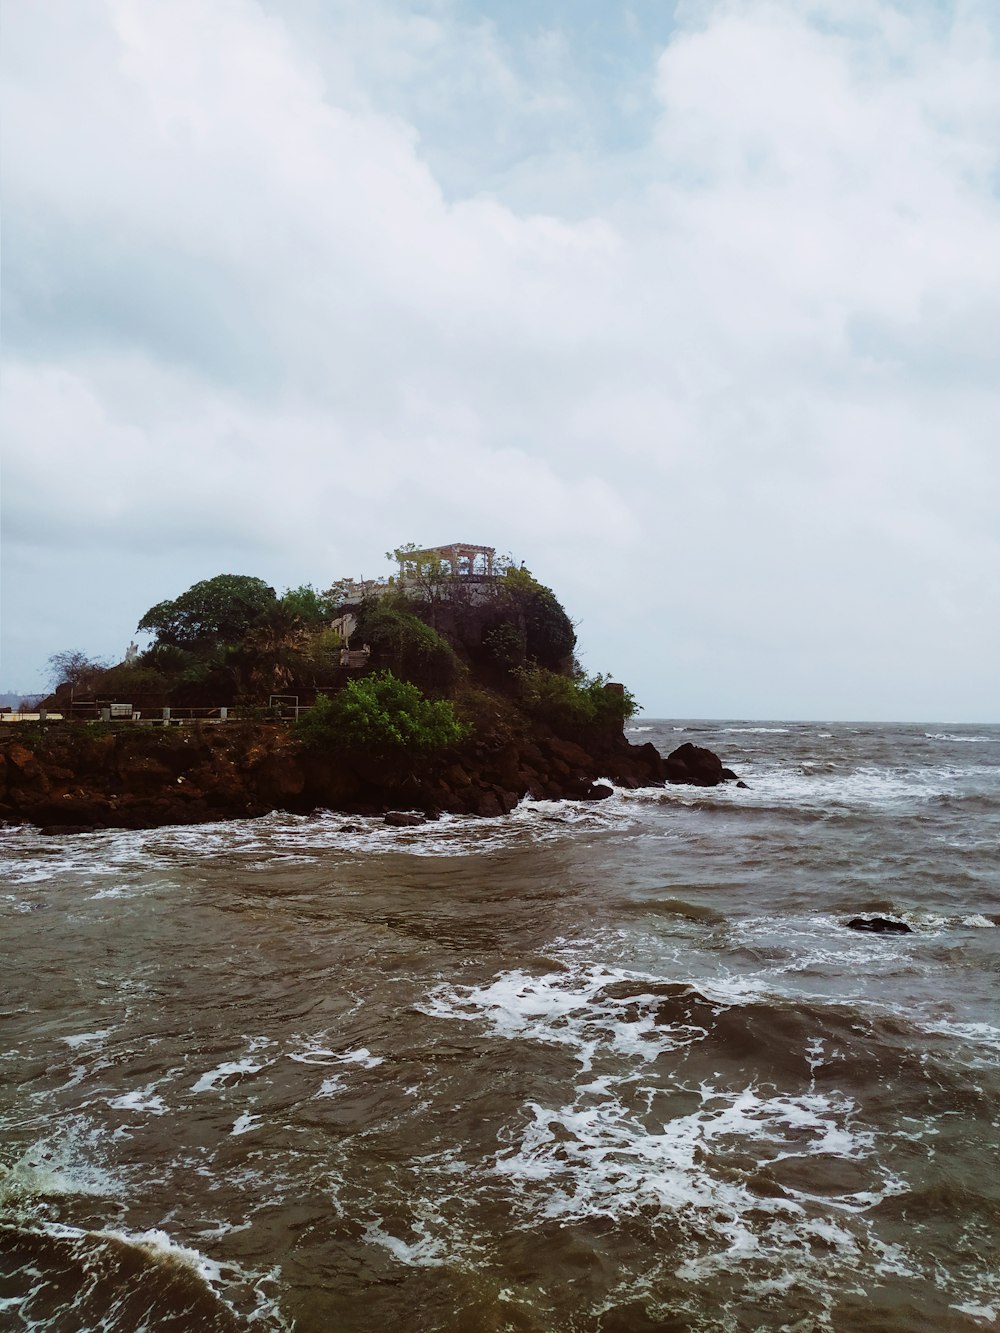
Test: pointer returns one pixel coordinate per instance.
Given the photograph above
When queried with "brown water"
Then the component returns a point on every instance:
(616, 1067)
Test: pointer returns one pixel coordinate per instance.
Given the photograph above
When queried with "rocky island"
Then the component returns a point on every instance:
(450, 687)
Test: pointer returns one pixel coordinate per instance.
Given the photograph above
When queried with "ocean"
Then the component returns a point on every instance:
(618, 1066)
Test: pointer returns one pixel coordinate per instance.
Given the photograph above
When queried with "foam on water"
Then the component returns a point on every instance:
(672, 1059)
(85, 1038)
(604, 1155)
(92, 1254)
(280, 838)
(225, 1073)
(144, 1100)
(424, 1251)
(58, 1164)
(566, 1009)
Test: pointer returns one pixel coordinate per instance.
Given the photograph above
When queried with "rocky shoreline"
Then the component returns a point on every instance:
(75, 778)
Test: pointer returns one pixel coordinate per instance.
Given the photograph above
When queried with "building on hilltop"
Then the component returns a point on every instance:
(458, 559)
(459, 570)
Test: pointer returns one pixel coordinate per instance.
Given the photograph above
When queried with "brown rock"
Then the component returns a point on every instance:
(568, 752)
(695, 765)
(487, 805)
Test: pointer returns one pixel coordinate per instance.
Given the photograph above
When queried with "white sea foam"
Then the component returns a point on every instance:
(228, 1070)
(85, 1038)
(425, 1251)
(302, 840)
(985, 1035)
(600, 1155)
(988, 1312)
(122, 891)
(756, 731)
(331, 1086)
(567, 1009)
(218, 1277)
(244, 1123)
(142, 1099)
(60, 1164)
(603, 1160)
(319, 1056)
(818, 787)
(958, 736)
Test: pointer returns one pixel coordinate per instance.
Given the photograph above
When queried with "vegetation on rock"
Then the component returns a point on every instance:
(382, 716)
(499, 636)
(402, 642)
(574, 704)
(218, 610)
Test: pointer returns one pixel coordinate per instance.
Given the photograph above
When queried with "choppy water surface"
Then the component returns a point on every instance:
(610, 1067)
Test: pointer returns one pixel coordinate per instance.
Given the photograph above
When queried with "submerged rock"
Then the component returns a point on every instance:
(404, 819)
(879, 925)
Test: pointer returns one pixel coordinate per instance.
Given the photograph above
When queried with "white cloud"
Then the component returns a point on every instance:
(731, 390)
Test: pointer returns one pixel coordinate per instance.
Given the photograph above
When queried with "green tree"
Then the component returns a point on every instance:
(214, 611)
(381, 716)
(314, 609)
(273, 650)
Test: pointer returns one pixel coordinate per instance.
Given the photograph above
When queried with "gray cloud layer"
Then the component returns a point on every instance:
(709, 340)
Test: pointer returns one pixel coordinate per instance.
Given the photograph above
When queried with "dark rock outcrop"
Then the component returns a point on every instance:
(879, 925)
(696, 766)
(74, 777)
(404, 819)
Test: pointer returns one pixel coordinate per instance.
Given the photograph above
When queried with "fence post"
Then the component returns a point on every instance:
(105, 714)
(223, 713)
(166, 714)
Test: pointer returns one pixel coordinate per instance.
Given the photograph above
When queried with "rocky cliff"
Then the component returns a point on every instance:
(79, 777)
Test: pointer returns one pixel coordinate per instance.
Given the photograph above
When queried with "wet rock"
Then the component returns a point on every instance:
(404, 819)
(487, 806)
(71, 811)
(744, 785)
(599, 791)
(879, 925)
(696, 766)
(567, 752)
(351, 828)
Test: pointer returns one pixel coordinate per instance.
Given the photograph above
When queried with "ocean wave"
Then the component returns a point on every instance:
(961, 738)
(62, 1276)
(755, 731)
(736, 1169)
(288, 839)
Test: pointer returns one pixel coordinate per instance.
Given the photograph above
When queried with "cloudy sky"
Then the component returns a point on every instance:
(694, 307)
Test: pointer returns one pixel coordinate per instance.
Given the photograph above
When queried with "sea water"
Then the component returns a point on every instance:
(611, 1066)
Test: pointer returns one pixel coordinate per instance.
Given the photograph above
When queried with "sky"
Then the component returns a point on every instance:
(693, 307)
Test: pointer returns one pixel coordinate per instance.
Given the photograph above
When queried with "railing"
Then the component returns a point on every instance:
(281, 710)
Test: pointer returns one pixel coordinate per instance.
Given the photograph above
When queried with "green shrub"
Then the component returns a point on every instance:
(505, 645)
(382, 716)
(132, 679)
(574, 705)
(410, 649)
